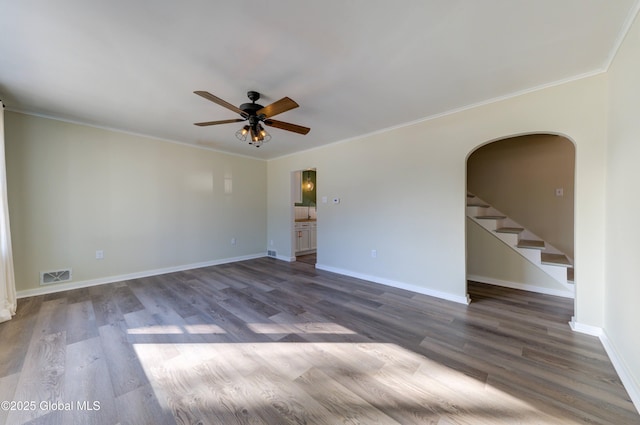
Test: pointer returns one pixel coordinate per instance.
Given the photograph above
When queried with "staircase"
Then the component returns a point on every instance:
(546, 257)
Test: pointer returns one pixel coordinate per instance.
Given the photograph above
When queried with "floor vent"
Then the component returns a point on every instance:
(47, 278)
(272, 253)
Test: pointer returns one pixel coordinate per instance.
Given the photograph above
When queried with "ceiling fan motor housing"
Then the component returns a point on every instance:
(250, 108)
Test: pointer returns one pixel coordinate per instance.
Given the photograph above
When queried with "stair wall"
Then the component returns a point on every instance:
(490, 260)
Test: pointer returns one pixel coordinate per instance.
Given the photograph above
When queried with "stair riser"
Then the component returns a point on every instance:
(490, 225)
(476, 211)
(532, 255)
(510, 239)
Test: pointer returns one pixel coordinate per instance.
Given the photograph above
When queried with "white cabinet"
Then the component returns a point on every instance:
(305, 233)
(313, 236)
(302, 241)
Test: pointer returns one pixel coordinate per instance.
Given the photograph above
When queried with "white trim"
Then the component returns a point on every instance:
(50, 289)
(626, 27)
(283, 258)
(625, 375)
(585, 329)
(522, 286)
(396, 284)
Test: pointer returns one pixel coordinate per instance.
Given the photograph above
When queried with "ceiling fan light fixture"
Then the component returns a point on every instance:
(258, 135)
(264, 136)
(255, 137)
(242, 133)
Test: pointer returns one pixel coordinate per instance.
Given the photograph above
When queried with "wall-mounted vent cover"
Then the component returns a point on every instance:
(57, 276)
(272, 253)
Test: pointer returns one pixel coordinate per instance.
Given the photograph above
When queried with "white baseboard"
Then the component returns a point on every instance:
(521, 286)
(287, 259)
(396, 284)
(629, 383)
(50, 289)
(585, 329)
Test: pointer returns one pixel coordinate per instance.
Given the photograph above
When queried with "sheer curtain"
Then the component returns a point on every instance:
(7, 279)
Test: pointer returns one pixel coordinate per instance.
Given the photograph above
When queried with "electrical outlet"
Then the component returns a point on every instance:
(233, 241)
(99, 254)
(374, 253)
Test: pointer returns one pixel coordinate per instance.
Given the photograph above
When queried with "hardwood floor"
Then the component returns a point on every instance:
(269, 342)
(307, 258)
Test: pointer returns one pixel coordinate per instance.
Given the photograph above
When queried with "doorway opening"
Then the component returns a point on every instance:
(305, 215)
(520, 214)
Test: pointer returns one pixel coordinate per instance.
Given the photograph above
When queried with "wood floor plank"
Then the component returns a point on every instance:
(8, 385)
(125, 371)
(42, 377)
(126, 300)
(28, 307)
(270, 342)
(81, 321)
(293, 405)
(51, 318)
(88, 385)
(78, 295)
(392, 401)
(153, 337)
(183, 395)
(340, 401)
(141, 406)
(14, 351)
(105, 306)
(216, 393)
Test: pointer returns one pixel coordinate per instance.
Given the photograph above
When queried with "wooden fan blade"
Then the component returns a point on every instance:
(287, 126)
(220, 102)
(277, 107)
(202, 124)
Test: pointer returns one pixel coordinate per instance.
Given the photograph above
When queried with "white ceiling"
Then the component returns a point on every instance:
(354, 66)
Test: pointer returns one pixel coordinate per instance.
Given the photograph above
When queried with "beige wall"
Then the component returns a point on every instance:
(519, 176)
(622, 315)
(149, 204)
(403, 192)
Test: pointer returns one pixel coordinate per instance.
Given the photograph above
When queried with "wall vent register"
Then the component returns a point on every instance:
(57, 276)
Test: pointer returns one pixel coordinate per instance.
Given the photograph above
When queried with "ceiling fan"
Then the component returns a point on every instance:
(255, 114)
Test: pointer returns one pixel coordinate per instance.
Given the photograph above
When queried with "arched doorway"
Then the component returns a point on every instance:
(529, 180)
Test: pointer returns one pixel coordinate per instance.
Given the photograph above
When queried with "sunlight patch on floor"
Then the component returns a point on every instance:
(300, 380)
(202, 329)
(305, 328)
